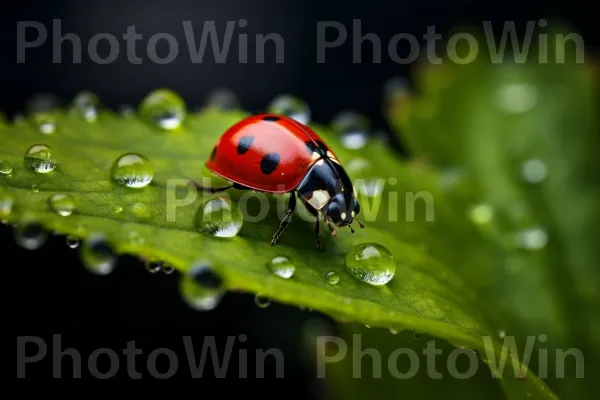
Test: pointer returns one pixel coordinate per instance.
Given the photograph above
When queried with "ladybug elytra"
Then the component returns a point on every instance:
(276, 154)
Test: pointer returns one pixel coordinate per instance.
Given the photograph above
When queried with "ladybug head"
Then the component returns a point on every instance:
(342, 211)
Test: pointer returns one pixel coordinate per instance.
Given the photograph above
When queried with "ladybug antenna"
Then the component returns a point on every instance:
(359, 223)
(351, 230)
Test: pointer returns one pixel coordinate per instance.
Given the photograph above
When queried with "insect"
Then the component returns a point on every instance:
(276, 154)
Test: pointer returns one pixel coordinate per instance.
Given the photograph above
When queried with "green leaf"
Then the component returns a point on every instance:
(156, 222)
(524, 138)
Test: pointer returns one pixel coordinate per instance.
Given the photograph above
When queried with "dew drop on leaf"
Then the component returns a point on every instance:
(201, 288)
(501, 334)
(223, 99)
(62, 204)
(72, 242)
(262, 301)
(34, 188)
(416, 335)
(141, 211)
(163, 108)
(152, 266)
(5, 168)
(291, 107)
(98, 255)
(167, 269)
(371, 263)
(6, 202)
(117, 209)
(30, 235)
(219, 217)
(352, 128)
(393, 331)
(282, 266)
(132, 170)
(86, 104)
(332, 278)
(40, 158)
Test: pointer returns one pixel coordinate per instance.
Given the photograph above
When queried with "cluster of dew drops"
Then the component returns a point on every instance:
(370, 263)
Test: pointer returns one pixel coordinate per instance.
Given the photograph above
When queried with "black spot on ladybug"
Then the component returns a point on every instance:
(271, 118)
(245, 144)
(213, 153)
(269, 162)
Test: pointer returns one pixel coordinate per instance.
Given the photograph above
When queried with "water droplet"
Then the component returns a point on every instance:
(72, 242)
(516, 98)
(152, 266)
(34, 188)
(30, 235)
(219, 217)
(117, 209)
(532, 239)
(163, 108)
(6, 202)
(281, 266)
(223, 99)
(5, 168)
(87, 104)
(201, 288)
(262, 301)
(370, 187)
(62, 204)
(416, 335)
(534, 171)
(290, 107)
(167, 269)
(353, 129)
(98, 256)
(371, 263)
(393, 331)
(40, 158)
(501, 334)
(141, 211)
(132, 170)
(332, 278)
(481, 214)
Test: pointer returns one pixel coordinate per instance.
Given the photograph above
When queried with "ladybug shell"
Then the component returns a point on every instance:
(267, 152)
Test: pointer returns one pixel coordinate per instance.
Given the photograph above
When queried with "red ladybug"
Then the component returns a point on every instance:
(276, 154)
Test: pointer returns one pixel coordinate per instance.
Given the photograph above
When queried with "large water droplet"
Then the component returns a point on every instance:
(5, 168)
(30, 235)
(132, 170)
(282, 266)
(98, 256)
(163, 108)
(62, 204)
(353, 129)
(40, 158)
(516, 98)
(223, 99)
(290, 107)
(332, 278)
(87, 104)
(6, 202)
(202, 287)
(534, 171)
(371, 263)
(219, 217)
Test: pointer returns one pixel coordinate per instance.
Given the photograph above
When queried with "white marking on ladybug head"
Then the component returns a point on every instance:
(320, 162)
(343, 215)
(353, 214)
(319, 198)
(315, 155)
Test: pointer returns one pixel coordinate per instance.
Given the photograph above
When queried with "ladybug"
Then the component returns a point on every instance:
(276, 154)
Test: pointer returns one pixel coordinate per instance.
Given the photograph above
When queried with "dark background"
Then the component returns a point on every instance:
(49, 292)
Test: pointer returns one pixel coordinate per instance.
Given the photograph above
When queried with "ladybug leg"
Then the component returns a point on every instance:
(315, 214)
(286, 220)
